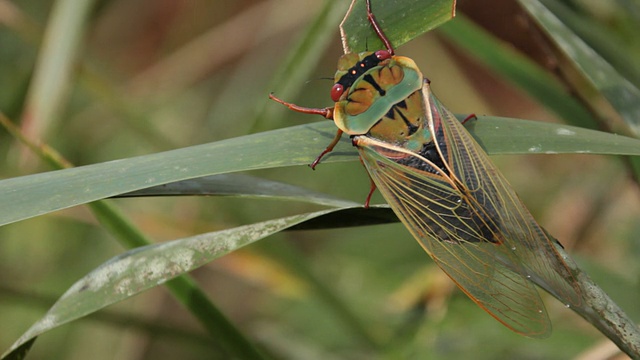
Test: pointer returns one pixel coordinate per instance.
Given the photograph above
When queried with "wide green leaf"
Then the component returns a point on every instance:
(143, 268)
(401, 21)
(501, 136)
(28, 196)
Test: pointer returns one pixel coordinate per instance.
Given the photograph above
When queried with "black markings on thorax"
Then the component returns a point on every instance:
(397, 111)
(368, 78)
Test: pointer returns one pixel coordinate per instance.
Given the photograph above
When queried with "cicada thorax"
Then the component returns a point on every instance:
(374, 91)
(383, 99)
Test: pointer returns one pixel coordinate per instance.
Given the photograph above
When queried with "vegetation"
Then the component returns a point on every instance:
(165, 88)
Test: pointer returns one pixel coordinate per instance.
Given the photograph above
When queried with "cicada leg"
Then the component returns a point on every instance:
(378, 29)
(326, 112)
(469, 117)
(372, 189)
(327, 150)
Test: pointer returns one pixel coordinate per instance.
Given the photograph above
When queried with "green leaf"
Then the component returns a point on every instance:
(241, 186)
(61, 43)
(605, 40)
(518, 69)
(143, 268)
(511, 136)
(301, 61)
(600, 78)
(401, 21)
(38, 194)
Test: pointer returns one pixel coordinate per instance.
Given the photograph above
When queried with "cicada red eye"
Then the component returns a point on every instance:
(336, 92)
(383, 54)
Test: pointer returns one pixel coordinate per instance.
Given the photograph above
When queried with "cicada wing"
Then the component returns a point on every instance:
(531, 248)
(444, 221)
(466, 216)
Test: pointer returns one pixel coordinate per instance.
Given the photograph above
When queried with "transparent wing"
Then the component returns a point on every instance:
(518, 230)
(467, 217)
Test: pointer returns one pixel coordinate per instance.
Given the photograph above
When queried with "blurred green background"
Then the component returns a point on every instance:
(151, 76)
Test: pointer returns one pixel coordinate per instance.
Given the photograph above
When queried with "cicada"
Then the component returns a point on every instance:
(444, 188)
